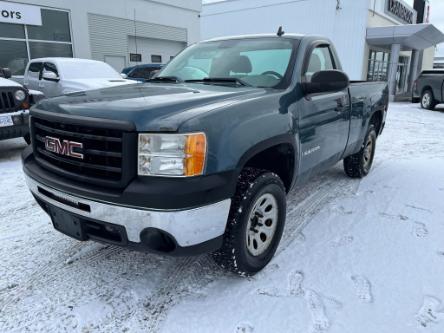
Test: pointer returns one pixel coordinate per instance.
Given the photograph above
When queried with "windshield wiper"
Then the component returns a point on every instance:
(221, 80)
(174, 79)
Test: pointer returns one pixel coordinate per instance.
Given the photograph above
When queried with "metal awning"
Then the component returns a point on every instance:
(410, 37)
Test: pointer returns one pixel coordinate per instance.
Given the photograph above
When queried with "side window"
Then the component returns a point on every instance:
(320, 59)
(143, 73)
(34, 69)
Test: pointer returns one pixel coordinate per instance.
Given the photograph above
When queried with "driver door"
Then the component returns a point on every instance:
(323, 117)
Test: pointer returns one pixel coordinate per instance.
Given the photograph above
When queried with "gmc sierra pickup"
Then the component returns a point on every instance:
(200, 158)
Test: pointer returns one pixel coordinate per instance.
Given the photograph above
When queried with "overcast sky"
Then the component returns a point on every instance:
(437, 16)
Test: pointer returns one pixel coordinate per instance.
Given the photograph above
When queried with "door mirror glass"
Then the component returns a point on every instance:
(327, 81)
(50, 76)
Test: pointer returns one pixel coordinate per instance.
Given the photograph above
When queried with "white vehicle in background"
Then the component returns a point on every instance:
(59, 76)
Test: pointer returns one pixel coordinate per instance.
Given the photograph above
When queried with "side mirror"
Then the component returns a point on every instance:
(6, 73)
(327, 81)
(50, 76)
(123, 75)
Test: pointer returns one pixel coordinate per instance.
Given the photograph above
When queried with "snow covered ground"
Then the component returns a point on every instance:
(357, 256)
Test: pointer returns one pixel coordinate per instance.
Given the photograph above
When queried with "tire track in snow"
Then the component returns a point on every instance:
(306, 201)
(46, 273)
(187, 277)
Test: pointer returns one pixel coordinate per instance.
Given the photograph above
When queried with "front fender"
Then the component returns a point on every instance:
(239, 131)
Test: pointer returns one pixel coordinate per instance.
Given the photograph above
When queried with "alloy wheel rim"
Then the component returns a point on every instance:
(426, 100)
(262, 224)
(368, 151)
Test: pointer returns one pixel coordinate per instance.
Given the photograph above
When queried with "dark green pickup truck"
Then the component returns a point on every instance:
(200, 158)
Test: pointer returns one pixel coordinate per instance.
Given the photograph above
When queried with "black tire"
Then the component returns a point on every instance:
(234, 254)
(358, 165)
(428, 101)
(27, 138)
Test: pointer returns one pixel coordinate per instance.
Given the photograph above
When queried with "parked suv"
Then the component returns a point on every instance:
(200, 159)
(429, 89)
(15, 101)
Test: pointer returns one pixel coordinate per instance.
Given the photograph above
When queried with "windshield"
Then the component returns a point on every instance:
(255, 62)
(88, 70)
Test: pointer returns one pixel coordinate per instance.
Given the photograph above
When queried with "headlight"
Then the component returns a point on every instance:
(174, 155)
(20, 95)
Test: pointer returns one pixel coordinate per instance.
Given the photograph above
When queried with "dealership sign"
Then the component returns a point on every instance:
(20, 14)
(401, 11)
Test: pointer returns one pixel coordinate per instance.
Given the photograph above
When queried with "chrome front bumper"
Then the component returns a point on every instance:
(188, 227)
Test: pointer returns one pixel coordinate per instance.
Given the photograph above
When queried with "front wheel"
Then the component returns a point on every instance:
(358, 165)
(255, 223)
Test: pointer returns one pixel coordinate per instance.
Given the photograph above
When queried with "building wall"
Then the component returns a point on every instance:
(428, 58)
(376, 18)
(174, 16)
(305, 16)
(152, 46)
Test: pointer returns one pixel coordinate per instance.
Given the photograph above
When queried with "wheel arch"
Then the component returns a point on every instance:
(277, 154)
(425, 88)
(377, 118)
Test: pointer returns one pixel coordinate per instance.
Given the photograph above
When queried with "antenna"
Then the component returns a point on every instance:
(135, 31)
(280, 32)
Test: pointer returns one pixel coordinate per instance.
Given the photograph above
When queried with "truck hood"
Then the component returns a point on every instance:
(149, 106)
(70, 86)
(8, 83)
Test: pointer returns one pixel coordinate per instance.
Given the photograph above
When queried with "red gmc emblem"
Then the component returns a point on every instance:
(65, 147)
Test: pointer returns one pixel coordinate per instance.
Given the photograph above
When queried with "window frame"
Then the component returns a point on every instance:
(310, 50)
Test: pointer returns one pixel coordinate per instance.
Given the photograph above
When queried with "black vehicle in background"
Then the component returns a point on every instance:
(141, 73)
(429, 89)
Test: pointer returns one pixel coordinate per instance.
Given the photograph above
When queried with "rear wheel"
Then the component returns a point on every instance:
(255, 224)
(358, 165)
(428, 100)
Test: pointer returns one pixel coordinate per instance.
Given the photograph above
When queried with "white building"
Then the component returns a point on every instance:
(120, 32)
(371, 36)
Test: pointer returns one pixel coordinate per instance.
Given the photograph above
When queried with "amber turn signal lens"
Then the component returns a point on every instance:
(195, 151)
(25, 106)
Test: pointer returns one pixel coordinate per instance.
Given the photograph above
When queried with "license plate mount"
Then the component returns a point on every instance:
(67, 223)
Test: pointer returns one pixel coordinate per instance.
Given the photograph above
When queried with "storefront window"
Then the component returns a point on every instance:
(12, 30)
(51, 39)
(378, 65)
(55, 27)
(42, 50)
(13, 55)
